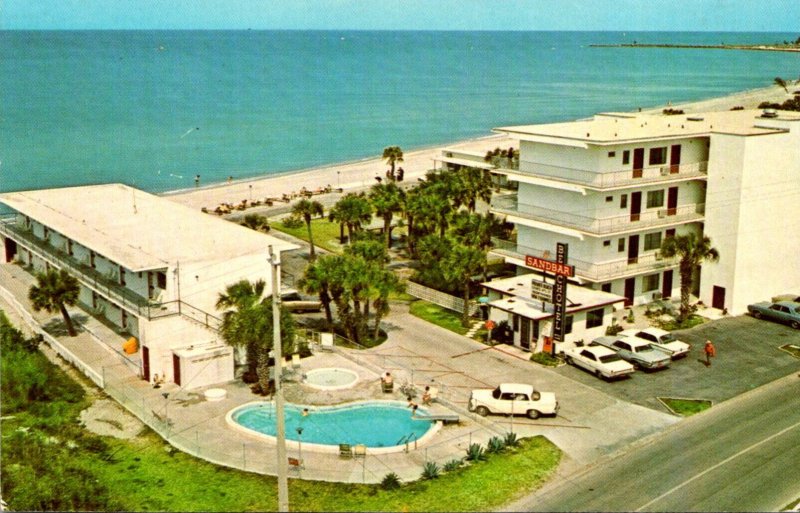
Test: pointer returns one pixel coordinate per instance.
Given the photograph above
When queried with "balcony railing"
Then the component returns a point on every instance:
(628, 177)
(596, 272)
(508, 204)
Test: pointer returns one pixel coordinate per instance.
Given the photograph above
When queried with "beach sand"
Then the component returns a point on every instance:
(361, 174)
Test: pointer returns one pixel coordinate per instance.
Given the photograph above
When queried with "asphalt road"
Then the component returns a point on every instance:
(741, 455)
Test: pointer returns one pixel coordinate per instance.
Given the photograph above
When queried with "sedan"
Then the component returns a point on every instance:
(787, 312)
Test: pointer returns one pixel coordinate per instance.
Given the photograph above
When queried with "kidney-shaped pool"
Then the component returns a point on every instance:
(382, 426)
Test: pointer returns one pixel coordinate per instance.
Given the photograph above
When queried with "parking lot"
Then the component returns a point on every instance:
(748, 356)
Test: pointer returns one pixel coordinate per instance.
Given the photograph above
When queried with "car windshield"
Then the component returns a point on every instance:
(669, 337)
(610, 358)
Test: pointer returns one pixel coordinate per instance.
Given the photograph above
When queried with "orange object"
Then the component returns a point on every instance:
(710, 349)
(130, 346)
(490, 324)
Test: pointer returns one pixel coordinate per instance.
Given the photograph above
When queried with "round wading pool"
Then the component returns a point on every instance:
(332, 378)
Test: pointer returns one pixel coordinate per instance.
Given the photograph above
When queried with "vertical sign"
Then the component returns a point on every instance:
(560, 295)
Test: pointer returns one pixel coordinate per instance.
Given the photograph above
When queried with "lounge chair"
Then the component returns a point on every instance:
(296, 361)
(360, 451)
(295, 463)
(345, 451)
(387, 388)
(326, 341)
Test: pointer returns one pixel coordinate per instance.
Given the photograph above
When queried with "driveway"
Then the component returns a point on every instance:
(748, 356)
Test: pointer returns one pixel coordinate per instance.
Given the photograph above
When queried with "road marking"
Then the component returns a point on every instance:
(726, 460)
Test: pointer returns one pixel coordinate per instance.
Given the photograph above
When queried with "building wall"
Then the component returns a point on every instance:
(163, 335)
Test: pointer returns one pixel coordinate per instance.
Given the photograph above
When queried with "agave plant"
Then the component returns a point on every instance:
(430, 470)
(495, 445)
(453, 464)
(390, 481)
(511, 439)
(475, 453)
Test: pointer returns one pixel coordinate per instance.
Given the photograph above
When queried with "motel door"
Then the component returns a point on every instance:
(633, 249)
(176, 369)
(672, 201)
(145, 363)
(675, 159)
(11, 250)
(718, 298)
(525, 333)
(630, 289)
(636, 205)
(666, 287)
(638, 162)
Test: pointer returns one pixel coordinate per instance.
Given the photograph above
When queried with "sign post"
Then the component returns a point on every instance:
(560, 295)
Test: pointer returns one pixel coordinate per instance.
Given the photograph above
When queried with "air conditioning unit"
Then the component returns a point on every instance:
(658, 255)
(664, 171)
(662, 214)
(657, 296)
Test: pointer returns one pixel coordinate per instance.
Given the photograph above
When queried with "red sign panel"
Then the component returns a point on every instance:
(550, 266)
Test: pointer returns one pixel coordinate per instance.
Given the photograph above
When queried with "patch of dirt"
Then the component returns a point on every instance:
(106, 417)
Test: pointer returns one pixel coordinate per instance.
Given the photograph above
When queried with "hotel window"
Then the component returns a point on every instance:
(612, 154)
(92, 263)
(609, 199)
(94, 299)
(626, 157)
(655, 199)
(605, 287)
(650, 282)
(69, 247)
(658, 156)
(122, 276)
(161, 280)
(594, 318)
(623, 201)
(568, 325)
(515, 323)
(606, 243)
(621, 245)
(652, 241)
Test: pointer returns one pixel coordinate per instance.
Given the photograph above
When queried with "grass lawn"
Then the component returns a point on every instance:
(439, 316)
(545, 359)
(685, 407)
(326, 233)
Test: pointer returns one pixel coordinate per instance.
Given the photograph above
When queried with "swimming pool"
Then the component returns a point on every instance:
(382, 426)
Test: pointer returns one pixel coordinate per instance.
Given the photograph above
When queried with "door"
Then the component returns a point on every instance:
(638, 162)
(630, 288)
(633, 249)
(145, 363)
(672, 201)
(11, 249)
(718, 298)
(675, 159)
(525, 333)
(176, 369)
(666, 286)
(636, 205)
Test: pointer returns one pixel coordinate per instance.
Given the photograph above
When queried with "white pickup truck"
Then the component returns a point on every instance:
(513, 398)
(600, 361)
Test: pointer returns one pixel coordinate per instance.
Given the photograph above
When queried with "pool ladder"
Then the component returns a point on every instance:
(407, 440)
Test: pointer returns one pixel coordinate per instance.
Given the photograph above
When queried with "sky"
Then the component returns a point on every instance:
(612, 15)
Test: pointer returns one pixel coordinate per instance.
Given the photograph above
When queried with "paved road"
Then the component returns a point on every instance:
(739, 456)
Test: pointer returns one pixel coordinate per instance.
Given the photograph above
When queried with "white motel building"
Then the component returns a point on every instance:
(148, 266)
(614, 186)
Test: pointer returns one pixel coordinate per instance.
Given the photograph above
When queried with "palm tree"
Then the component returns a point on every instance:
(387, 199)
(352, 210)
(53, 292)
(459, 266)
(384, 282)
(692, 251)
(781, 82)
(393, 155)
(237, 328)
(317, 280)
(307, 209)
(471, 184)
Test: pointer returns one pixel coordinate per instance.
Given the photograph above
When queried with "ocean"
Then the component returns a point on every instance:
(155, 108)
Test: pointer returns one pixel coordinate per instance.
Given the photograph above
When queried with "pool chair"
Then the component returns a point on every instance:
(387, 387)
(295, 463)
(345, 451)
(360, 451)
(296, 361)
(326, 341)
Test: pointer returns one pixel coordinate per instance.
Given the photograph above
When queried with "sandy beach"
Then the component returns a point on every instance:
(361, 174)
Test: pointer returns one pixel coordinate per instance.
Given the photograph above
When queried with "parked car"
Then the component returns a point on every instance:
(294, 302)
(787, 312)
(660, 339)
(513, 398)
(599, 360)
(636, 351)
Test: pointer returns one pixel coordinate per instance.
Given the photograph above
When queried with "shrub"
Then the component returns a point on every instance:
(475, 453)
(510, 439)
(630, 318)
(495, 445)
(390, 481)
(293, 222)
(613, 330)
(430, 470)
(545, 359)
(453, 464)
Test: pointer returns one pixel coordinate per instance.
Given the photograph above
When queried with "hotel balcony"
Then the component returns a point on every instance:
(600, 181)
(532, 215)
(87, 276)
(588, 271)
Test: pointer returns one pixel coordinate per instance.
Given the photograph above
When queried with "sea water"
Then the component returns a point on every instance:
(153, 109)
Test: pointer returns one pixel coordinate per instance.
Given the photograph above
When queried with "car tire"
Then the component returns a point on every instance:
(598, 374)
(482, 411)
(533, 414)
(568, 359)
(795, 325)
(757, 315)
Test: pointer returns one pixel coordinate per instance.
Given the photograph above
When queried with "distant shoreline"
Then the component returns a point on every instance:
(757, 48)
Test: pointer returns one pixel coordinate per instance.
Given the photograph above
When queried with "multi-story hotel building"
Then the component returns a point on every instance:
(615, 186)
(150, 267)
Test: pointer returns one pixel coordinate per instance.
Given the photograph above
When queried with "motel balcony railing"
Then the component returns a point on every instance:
(90, 278)
(591, 271)
(601, 180)
(508, 204)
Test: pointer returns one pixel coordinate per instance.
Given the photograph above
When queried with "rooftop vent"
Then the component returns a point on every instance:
(769, 113)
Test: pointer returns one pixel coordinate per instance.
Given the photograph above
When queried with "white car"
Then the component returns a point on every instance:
(660, 339)
(513, 398)
(599, 360)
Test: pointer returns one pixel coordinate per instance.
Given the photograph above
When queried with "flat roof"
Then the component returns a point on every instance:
(136, 229)
(620, 127)
(519, 300)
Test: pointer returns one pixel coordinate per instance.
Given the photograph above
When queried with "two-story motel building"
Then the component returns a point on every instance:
(149, 266)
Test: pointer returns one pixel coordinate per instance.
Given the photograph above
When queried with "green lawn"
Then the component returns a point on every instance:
(439, 316)
(686, 407)
(326, 233)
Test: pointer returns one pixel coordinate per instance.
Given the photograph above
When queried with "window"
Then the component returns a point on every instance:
(594, 318)
(655, 199)
(652, 241)
(609, 199)
(122, 276)
(650, 283)
(69, 247)
(626, 157)
(568, 325)
(92, 262)
(658, 156)
(621, 245)
(605, 287)
(612, 154)
(161, 279)
(606, 243)
(623, 201)
(515, 323)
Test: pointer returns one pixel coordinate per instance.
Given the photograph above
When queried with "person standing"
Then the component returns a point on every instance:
(710, 351)
(197, 180)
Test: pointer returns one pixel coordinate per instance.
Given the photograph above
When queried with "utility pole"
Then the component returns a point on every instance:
(283, 480)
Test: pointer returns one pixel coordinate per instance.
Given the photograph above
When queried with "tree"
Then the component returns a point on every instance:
(781, 82)
(384, 282)
(53, 292)
(476, 231)
(317, 279)
(470, 185)
(393, 155)
(352, 210)
(307, 209)
(387, 199)
(255, 222)
(459, 266)
(692, 250)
